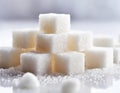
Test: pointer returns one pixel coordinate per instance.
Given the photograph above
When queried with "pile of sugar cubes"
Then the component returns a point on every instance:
(55, 48)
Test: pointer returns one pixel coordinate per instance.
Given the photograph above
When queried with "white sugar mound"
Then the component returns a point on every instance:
(28, 81)
(71, 86)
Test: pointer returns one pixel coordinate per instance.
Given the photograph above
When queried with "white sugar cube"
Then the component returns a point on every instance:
(71, 86)
(24, 38)
(117, 55)
(52, 43)
(80, 41)
(37, 63)
(103, 41)
(29, 83)
(69, 63)
(74, 86)
(117, 45)
(54, 23)
(99, 57)
(118, 37)
(85, 89)
(9, 57)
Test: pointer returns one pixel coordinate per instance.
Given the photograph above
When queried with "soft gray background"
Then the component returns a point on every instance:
(79, 9)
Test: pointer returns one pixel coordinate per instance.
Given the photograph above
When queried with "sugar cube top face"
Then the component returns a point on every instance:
(71, 86)
(79, 40)
(9, 57)
(54, 23)
(52, 43)
(69, 63)
(24, 38)
(28, 81)
(103, 41)
(99, 58)
(37, 63)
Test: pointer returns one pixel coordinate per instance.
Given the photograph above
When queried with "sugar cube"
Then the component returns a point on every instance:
(25, 39)
(54, 23)
(99, 57)
(117, 55)
(85, 89)
(29, 50)
(9, 57)
(74, 86)
(118, 37)
(80, 41)
(37, 63)
(71, 86)
(103, 41)
(52, 43)
(69, 63)
(117, 45)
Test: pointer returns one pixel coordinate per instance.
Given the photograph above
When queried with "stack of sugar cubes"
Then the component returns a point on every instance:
(55, 48)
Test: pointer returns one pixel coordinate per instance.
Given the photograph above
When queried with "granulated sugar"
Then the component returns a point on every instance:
(8, 75)
(99, 78)
(114, 72)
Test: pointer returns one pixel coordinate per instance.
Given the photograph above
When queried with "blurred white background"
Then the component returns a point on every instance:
(79, 9)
